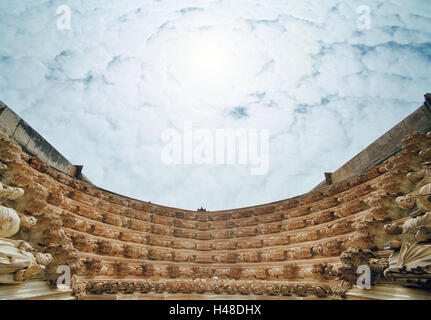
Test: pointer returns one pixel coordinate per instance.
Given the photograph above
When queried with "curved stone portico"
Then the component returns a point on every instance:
(306, 247)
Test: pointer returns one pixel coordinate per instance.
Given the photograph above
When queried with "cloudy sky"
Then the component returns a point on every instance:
(314, 73)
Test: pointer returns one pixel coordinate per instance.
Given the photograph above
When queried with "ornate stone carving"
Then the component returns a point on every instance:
(9, 222)
(300, 291)
(287, 248)
(325, 271)
(243, 288)
(272, 289)
(235, 273)
(110, 248)
(351, 259)
(78, 286)
(135, 251)
(410, 263)
(76, 223)
(17, 256)
(275, 273)
(160, 254)
(298, 253)
(173, 287)
(321, 292)
(10, 193)
(148, 270)
(173, 271)
(257, 289)
(417, 199)
(418, 229)
(230, 289)
(84, 243)
(20, 258)
(286, 290)
(113, 287)
(290, 271)
(217, 287)
(160, 287)
(93, 266)
(96, 287)
(393, 228)
(338, 292)
(146, 287)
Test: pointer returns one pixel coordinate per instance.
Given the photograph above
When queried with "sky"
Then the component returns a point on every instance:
(105, 81)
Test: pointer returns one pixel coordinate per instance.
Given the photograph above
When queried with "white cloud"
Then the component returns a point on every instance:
(103, 92)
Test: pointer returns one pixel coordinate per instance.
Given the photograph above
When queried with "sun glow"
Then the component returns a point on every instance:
(209, 58)
(210, 62)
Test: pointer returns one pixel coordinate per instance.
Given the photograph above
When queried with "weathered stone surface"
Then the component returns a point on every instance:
(307, 246)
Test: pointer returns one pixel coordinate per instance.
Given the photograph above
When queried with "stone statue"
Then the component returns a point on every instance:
(411, 261)
(410, 264)
(9, 218)
(16, 257)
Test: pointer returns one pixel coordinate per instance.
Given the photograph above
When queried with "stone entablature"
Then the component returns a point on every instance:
(310, 245)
